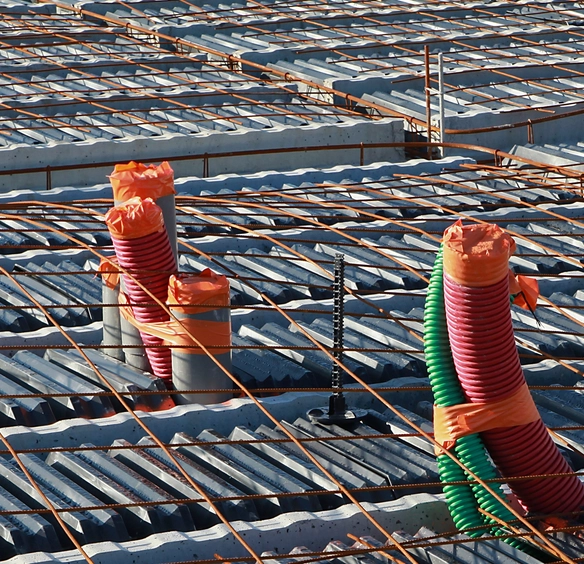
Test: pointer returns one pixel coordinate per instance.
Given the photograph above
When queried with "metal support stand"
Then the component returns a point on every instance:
(441, 99)
(337, 413)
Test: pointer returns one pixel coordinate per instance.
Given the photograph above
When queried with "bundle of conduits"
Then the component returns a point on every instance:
(480, 393)
(142, 226)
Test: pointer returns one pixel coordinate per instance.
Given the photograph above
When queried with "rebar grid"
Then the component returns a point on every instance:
(378, 32)
(38, 216)
(174, 111)
(110, 117)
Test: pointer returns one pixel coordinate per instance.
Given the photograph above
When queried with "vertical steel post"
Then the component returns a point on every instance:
(205, 165)
(428, 106)
(441, 98)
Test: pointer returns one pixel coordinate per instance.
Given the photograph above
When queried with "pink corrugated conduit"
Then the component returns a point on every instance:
(143, 249)
(487, 363)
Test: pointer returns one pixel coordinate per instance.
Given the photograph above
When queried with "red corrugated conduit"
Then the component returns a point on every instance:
(487, 363)
(143, 249)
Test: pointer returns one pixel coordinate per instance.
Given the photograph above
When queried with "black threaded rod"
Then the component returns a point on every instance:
(337, 402)
(338, 319)
(337, 413)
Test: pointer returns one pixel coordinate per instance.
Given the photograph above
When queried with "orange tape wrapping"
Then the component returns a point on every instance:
(197, 293)
(451, 423)
(110, 273)
(208, 333)
(477, 255)
(134, 219)
(146, 181)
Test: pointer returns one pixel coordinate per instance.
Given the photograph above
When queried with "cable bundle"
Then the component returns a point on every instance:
(479, 387)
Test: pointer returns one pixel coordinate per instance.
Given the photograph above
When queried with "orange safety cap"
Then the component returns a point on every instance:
(477, 255)
(134, 219)
(137, 179)
(197, 293)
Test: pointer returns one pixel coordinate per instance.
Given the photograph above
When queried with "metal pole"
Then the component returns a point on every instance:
(441, 98)
(428, 107)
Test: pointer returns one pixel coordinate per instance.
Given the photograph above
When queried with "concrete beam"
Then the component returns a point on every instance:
(280, 534)
(143, 149)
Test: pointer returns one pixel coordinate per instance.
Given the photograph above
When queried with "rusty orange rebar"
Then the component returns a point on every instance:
(255, 233)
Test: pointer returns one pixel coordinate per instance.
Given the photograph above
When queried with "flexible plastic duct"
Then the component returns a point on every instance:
(143, 249)
(148, 181)
(463, 500)
(145, 181)
(487, 363)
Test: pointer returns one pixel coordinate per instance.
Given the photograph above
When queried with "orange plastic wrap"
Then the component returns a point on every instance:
(134, 219)
(526, 290)
(146, 181)
(208, 333)
(451, 423)
(477, 255)
(207, 291)
(110, 273)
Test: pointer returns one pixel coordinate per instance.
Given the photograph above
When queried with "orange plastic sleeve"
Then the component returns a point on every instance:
(110, 273)
(208, 333)
(476, 255)
(197, 293)
(134, 219)
(451, 423)
(146, 181)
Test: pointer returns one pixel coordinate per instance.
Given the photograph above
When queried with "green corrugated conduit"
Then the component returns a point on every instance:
(463, 500)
